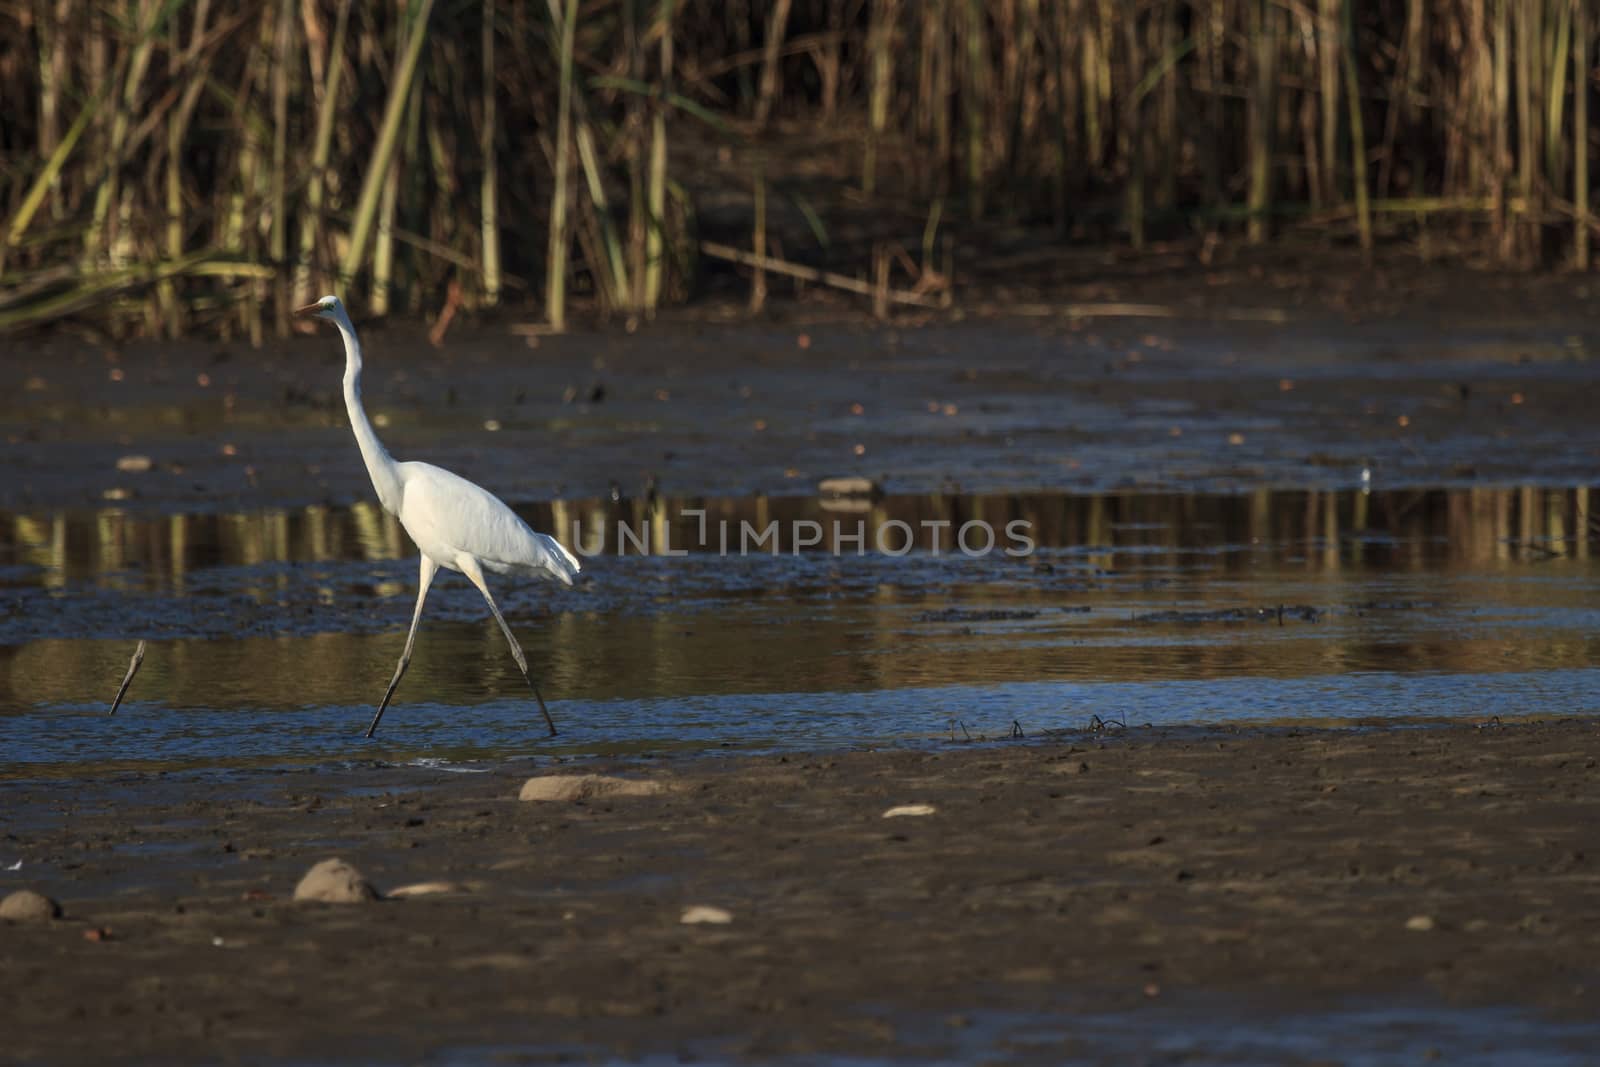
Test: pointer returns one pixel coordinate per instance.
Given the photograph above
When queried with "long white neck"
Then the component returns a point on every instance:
(381, 466)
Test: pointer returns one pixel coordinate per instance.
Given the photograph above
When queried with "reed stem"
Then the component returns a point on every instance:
(555, 298)
(394, 112)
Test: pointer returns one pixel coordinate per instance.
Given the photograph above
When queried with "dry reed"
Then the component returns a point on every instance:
(175, 166)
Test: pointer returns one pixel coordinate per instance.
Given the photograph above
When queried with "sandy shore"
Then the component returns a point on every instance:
(1431, 377)
(1120, 871)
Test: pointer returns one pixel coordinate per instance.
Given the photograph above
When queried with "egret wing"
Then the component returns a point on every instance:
(447, 515)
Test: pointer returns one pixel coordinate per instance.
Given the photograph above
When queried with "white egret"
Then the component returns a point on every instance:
(455, 523)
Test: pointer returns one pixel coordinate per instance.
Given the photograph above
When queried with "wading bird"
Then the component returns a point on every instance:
(455, 523)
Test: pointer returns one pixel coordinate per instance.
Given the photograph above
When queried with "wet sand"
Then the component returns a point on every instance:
(1230, 875)
(1061, 878)
(1429, 376)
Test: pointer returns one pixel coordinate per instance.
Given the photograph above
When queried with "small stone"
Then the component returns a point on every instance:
(134, 464)
(706, 913)
(424, 889)
(1420, 923)
(335, 882)
(586, 787)
(909, 809)
(26, 906)
(849, 485)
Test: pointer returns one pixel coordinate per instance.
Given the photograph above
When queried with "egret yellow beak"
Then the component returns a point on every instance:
(309, 309)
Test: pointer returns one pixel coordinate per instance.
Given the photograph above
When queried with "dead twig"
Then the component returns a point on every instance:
(127, 679)
(812, 274)
(1112, 310)
(452, 304)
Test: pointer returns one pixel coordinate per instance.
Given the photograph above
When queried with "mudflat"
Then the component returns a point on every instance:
(1289, 372)
(1058, 878)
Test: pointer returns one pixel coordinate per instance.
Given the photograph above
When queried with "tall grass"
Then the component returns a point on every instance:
(181, 166)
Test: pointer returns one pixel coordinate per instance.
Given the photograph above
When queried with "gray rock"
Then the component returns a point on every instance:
(26, 906)
(586, 787)
(335, 882)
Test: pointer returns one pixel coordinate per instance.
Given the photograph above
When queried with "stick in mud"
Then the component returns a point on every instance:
(127, 679)
(812, 274)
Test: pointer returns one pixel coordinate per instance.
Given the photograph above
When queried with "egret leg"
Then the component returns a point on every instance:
(429, 569)
(470, 568)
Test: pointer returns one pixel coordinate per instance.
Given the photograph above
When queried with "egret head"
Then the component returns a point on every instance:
(326, 308)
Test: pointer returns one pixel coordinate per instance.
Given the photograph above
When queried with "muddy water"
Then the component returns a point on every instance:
(794, 622)
(1210, 1029)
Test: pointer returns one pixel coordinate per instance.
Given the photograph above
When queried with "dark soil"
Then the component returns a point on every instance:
(1114, 871)
(1428, 376)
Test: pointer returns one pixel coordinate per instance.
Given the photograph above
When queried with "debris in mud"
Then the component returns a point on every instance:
(975, 615)
(849, 486)
(127, 679)
(335, 882)
(26, 906)
(425, 889)
(585, 787)
(902, 810)
(1276, 613)
(706, 913)
(1392, 605)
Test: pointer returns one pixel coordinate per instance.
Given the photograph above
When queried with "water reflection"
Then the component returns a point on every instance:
(272, 633)
(1325, 529)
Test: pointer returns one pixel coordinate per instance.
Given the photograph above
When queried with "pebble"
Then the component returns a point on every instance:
(335, 882)
(586, 786)
(909, 809)
(1420, 923)
(847, 486)
(706, 913)
(29, 907)
(423, 889)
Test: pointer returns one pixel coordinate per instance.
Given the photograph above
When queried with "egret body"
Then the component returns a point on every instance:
(456, 524)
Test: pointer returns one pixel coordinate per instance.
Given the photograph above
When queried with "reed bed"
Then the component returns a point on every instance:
(182, 166)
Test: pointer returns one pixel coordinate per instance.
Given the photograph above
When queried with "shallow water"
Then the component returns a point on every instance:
(1186, 1029)
(272, 634)
(1215, 1029)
